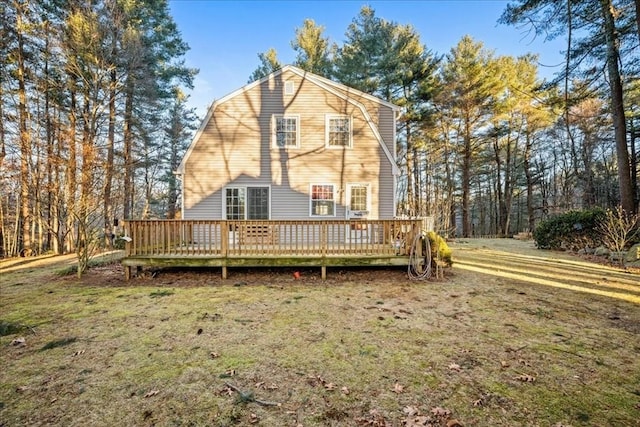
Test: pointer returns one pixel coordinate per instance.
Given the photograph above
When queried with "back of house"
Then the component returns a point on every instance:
(292, 146)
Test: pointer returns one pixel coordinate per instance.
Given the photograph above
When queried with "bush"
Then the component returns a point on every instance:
(572, 230)
(439, 248)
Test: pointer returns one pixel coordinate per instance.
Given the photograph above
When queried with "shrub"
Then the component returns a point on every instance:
(439, 248)
(619, 229)
(572, 230)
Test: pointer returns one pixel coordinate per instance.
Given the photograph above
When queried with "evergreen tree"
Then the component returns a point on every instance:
(604, 29)
(313, 51)
(268, 64)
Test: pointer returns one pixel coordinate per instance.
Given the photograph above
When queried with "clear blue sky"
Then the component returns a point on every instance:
(226, 36)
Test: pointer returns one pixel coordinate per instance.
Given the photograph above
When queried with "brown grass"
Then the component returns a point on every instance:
(513, 337)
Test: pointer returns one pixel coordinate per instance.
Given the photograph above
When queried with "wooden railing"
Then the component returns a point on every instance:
(272, 238)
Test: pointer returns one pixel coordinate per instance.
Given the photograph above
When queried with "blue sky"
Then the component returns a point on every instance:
(225, 37)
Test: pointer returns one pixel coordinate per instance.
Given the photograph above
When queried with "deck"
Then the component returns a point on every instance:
(272, 243)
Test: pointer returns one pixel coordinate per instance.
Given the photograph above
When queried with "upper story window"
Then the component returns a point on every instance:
(286, 131)
(289, 87)
(338, 130)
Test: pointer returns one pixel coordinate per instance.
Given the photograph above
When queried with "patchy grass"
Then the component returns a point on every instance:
(513, 337)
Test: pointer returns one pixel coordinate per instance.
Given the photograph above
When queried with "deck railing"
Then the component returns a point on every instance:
(227, 238)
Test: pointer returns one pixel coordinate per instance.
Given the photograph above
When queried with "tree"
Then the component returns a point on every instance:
(470, 76)
(603, 29)
(268, 64)
(313, 51)
(389, 60)
(358, 62)
(177, 135)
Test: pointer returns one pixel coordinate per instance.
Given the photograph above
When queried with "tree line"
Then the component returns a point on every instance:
(485, 145)
(93, 120)
(94, 117)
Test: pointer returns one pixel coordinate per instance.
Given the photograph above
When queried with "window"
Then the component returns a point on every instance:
(323, 200)
(358, 200)
(338, 131)
(289, 87)
(247, 202)
(235, 203)
(285, 131)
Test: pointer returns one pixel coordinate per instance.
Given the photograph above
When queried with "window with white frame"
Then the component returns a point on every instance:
(286, 132)
(323, 200)
(358, 197)
(338, 130)
(247, 202)
(289, 87)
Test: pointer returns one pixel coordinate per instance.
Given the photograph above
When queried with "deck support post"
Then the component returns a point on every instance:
(127, 273)
(323, 270)
(224, 272)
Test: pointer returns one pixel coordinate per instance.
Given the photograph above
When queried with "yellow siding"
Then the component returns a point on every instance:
(235, 147)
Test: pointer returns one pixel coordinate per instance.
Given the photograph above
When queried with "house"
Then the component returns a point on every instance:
(292, 146)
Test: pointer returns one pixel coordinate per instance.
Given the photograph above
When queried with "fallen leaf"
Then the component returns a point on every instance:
(152, 393)
(19, 341)
(231, 372)
(440, 412)
(214, 355)
(397, 388)
(228, 391)
(504, 364)
(454, 367)
(418, 421)
(411, 411)
(329, 386)
(526, 378)
(78, 353)
(253, 418)
(345, 390)
(478, 402)
(454, 423)
(260, 385)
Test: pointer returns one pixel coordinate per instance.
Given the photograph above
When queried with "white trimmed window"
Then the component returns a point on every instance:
(323, 200)
(286, 131)
(338, 131)
(358, 197)
(247, 202)
(289, 87)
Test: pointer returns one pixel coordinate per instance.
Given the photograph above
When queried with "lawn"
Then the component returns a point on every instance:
(512, 336)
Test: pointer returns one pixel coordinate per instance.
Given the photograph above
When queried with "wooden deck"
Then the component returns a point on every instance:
(313, 243)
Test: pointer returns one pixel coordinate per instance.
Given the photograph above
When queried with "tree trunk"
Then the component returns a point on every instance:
(617, 109)
(128, 141)
(111, 136)
(529, 179)
(71, 171)
(25, 137)
(466, 180)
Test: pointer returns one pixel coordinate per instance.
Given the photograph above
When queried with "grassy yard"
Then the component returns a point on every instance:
(512, 337)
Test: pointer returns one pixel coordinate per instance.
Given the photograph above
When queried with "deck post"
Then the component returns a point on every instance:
(323, 273)
(224, 238)
(127, 273)
(224, 272)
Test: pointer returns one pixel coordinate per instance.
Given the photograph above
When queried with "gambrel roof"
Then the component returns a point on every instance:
(346, 93)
